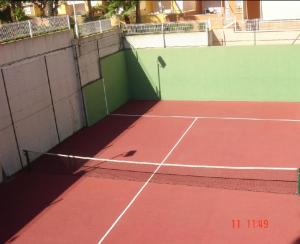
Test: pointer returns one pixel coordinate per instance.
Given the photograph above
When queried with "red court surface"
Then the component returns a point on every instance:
(240, 143)
(102, 202)
(267, 110)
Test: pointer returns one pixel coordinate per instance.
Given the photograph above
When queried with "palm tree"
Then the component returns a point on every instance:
(124, 9)
(89, 7)
(137, 12)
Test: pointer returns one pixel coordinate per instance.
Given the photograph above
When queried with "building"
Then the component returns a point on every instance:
(272, 10)
(220, 12)
(65, 8)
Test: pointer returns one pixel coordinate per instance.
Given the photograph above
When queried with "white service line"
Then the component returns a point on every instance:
(205, 117)
(146, 183)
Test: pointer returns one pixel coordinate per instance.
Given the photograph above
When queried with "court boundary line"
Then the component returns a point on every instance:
(146, 183)
(205, 117)
(105, 96)
(205, 166)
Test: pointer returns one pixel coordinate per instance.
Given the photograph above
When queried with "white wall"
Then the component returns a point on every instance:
(274, 10)
(191, 39)
(228, 37)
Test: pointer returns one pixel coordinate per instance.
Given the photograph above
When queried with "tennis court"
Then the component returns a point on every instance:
(165, 172)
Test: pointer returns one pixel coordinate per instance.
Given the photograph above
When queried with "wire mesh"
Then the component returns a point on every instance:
(94, 27)
(267, 25)
(45, 25)
(258, 179)
(33, 27)
(14, 31)
(171, 27)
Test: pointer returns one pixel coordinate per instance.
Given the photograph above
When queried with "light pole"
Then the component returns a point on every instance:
(75, 20)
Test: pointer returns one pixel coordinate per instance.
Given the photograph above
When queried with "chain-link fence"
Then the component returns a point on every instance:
(94, 27)
(267, 25)
(33, 27)
(171, 27)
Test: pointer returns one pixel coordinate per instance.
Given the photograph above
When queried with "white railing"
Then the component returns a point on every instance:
(94, 27)
(33, 27)
(170, 27)
(267, 25)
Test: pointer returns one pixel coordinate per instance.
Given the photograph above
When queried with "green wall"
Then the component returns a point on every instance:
(114, 73)
(94, 102)
(115, 84)
(256, 73)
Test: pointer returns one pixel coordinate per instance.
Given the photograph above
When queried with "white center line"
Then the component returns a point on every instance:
(146, 183)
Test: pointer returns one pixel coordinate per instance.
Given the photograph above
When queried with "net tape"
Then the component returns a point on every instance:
(282, 180)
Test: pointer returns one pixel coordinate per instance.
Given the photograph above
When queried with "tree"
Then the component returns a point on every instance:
(15, 9)
(47, 7)
(123, 9)
(89, 7)
(137, 12)
(5, 12)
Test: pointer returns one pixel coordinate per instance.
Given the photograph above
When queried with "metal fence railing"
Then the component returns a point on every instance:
(170, 27)
(94, 27)
(267, 25)
(33, 27)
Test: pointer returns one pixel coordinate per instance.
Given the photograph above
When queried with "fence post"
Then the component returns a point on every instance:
(100, 26)
(235, 23)
(254, 36)
(208, 24)
(30, 29)
(163, 34)
(76, 30)
(68, 22)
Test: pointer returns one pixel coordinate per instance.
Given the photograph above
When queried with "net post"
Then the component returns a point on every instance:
(26, 154)
(298, 182)
(4, 176)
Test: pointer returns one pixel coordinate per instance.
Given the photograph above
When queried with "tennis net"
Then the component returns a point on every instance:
(281, 180)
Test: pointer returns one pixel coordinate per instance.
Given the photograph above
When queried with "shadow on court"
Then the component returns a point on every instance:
(25, 196)
(297, 241)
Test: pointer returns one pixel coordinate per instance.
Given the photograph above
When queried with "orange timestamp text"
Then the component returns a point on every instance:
(250, 223)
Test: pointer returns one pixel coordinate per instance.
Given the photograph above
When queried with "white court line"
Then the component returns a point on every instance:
(197, 166)
(146, 183)
(105, 97)
(205, 117)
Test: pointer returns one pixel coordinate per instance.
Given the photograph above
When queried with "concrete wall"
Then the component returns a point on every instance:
(91, 49)
(1, 173)
(93, 54)
(44, 96)
(109, 93)
(22, 49)
(9, 156)
(41, 82)
(191, 39)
